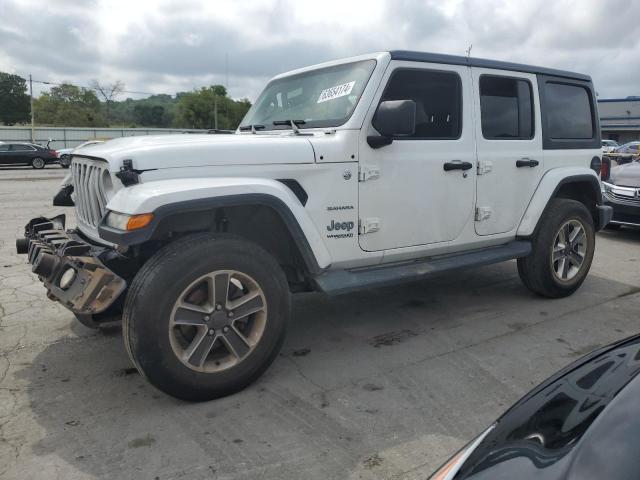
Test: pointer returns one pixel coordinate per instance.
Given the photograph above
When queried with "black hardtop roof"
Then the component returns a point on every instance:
(483, 63)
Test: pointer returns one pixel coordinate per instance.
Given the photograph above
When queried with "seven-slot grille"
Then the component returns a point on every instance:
(89, 189)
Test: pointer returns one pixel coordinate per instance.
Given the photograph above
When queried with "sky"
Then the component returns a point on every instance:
(165, 46)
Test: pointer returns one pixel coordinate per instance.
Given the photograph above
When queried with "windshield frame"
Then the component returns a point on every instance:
(246, 122)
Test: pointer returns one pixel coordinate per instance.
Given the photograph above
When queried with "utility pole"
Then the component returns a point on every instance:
(215, 113)
(226, 71)
(33, 139)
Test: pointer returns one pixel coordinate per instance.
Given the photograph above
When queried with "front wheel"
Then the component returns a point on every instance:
(65, 161)
(562, 250)
(37, 163)
(206, 316)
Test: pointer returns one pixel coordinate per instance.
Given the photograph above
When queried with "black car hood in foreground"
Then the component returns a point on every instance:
(627, 175)
(581, 424)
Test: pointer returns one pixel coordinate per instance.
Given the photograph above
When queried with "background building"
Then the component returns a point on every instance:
(620, 118)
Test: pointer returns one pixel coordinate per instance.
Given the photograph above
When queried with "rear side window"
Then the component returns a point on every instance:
(438, 97)
(4, 147)
(506, 108)
(21, 148)
(568, 112)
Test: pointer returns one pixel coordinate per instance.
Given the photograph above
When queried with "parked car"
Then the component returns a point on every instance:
(26, 154)
(582, 423)
(622, 192)
(625, 153)
(609, 145)
(65, 153)
(353, 174)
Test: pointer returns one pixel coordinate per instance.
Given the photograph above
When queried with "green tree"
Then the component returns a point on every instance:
(68, 105)
(209, 107)
(14, 101)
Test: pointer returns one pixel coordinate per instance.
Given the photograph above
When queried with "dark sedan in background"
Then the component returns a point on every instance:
(27, 154)
(581, 424)
(622, 191)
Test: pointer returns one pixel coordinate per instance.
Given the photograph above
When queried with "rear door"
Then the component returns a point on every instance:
(21, 153)
(5, 153)
(509, 147)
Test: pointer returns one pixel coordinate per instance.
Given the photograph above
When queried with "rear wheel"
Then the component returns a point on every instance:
(206, 316)
(562, 250)
(37, 163)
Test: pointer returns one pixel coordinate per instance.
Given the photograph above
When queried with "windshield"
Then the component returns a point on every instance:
(320, 98)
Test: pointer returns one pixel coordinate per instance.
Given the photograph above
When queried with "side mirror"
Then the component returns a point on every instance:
(394, 118)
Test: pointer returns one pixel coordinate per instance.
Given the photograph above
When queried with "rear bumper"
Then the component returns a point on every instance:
(52, 251)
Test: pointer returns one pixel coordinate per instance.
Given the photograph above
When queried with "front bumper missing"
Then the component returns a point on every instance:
(52, 251)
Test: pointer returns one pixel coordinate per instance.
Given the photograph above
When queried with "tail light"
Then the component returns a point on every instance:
(54, 153)
(605, 169)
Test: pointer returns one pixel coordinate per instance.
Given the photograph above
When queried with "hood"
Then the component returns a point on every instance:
(627, 175)
(188, 150)
(577, 425)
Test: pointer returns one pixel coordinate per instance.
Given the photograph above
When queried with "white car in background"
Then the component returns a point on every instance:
(65, 153)
(609, 146)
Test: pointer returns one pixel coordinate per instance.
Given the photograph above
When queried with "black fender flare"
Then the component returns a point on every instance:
(155, 229)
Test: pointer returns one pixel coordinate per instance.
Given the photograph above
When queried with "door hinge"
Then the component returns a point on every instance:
(484, 166)
(367, 173)
(368, 225)
(482, 213)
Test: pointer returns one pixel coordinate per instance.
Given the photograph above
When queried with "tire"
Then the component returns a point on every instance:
(65, 161)
(543, 271)
(38, 163)
(159, 322)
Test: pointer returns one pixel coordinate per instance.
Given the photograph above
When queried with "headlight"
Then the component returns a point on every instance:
(122, 221)
(449, 470)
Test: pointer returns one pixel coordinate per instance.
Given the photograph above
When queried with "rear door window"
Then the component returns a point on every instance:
(21, 148)
(506, 108)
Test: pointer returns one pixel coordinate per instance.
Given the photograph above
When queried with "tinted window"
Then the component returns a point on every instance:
(506, 108)
(568, 112)
(438, 101)
(4, 147)
(21, 148)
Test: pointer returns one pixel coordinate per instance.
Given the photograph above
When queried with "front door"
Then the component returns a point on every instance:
(509, 146)
(412, 192)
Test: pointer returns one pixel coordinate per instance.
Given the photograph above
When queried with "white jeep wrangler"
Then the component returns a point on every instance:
(353, 174)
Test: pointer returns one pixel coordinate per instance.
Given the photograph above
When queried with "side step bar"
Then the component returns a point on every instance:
(344, 281)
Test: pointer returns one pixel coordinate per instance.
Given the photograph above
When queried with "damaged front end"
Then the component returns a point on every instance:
(71, 268)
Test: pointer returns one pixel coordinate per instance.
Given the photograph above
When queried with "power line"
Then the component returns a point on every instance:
(91, 88)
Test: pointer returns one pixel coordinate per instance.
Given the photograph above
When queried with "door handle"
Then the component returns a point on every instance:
(457, 165)
(527, 162)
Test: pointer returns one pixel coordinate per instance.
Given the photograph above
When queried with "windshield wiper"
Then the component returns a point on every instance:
(252, 127)
(292, 123)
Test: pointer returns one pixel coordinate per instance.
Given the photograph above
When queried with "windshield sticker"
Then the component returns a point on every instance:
(336, 92)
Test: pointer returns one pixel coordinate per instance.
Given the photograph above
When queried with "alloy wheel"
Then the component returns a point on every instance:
(217, 321)
(569, 250)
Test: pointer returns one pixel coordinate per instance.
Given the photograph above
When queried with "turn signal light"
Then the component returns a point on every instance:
(139, 221)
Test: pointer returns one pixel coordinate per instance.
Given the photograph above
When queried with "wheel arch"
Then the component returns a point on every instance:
(582, 185)
(259, 217)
